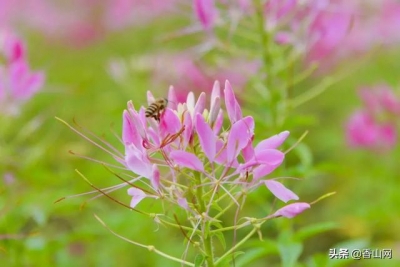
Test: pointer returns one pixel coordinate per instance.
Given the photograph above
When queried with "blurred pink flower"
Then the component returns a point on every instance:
(205, 12)
(17, 83)
(80, 22)
(380, 99)
(328, 30)
(374, 126)
(197, 75)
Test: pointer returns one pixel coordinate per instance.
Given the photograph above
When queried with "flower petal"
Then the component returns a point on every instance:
(200, 104)
(232, 106)
(207, 137)
(216, 92)
(186, 159)
(190, 102)
(187, 133)
(172, 98)
(183, 203)
(214, 111)
(130, 134)
(217, 125)
(137, 161)
(239, 136)
(248, 151)
(170, 123)
(262, 170)
(155, 178)
(291, 210)
(280, 191)
(137, 196)
(206, 12)
(150, 98)
(272, 157)
(272, 142)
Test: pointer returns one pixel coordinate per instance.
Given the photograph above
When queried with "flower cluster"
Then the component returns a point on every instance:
(17, 83)
(188, 157)
(374, 126)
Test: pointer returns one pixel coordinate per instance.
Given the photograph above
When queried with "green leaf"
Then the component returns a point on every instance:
(221, 239)
(225, 262)
(290, 252)
(304, 154)
(259, 250)
(311, 230)
(318, 260)
(198, 261)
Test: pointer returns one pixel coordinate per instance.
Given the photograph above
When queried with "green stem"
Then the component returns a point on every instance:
(206, 237)
(263, 35)
(275, 94)
(227, 254)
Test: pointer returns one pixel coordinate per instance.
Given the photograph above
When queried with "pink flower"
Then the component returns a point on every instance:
(188, 139)
(280, 191)
(363, 131)
(12, 47)
(292, 210)
(327, 32)
(206, 12)
(17, 82)
(374, 126)
(82, 21)
(186, 152)
(137, 196)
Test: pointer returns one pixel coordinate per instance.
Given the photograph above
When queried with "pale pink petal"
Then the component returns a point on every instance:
(137, 196)
(172, 98)
(24, 83)
(186, 159)
(280, 191)
(187, 133)
(262, 170)
(183, 203)
(221, 156)
(216, 92)
(388, 136)
(205, 11)
(291, 210)
(207, 137)
(170, 123)
(155, 178)
(150, 98)
(215, 102)
(270, 156)
(218, 122)
(139, 122)
(13, 48)
(232, 106)
(248, 151)
(200, 104)
(362, 130)
(138, 162)
(214, 111)
(272, 142)
(389, 100)
(129, 133)
(239, 136)
(190, 102)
